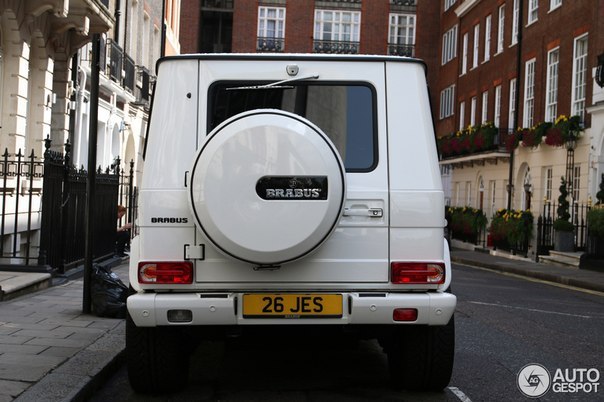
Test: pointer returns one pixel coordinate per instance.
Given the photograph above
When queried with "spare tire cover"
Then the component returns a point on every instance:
(267, 187)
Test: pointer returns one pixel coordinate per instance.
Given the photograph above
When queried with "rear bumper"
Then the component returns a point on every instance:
(151, 309)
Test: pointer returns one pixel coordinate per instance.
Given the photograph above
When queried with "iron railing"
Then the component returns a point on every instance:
(336, 47)
(545, 226)
(21, 180)
(116, 56)
(401, 50)
(269, 44)
(129, 73)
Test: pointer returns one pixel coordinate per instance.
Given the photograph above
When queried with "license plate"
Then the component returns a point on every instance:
(288, 305)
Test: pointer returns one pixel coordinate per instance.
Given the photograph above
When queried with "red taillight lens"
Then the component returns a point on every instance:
(431, 273)
(165, 272)
(404, 314)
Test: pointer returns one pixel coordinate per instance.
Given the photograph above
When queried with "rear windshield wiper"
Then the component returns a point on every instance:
(278, 84)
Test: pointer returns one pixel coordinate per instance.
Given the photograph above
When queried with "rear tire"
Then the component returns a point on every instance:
(421, 357)
(156, 358)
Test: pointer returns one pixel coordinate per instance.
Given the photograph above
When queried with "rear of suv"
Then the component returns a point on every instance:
(284, 191)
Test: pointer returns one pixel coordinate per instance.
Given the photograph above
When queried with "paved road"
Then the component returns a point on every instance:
(503, 323)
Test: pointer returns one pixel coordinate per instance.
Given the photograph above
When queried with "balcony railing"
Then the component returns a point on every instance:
(338, 47)
(222, 4)
(401, 50)
(116, 56)
(129, 73)
(481, 141)
(404, 2)
(268, 44)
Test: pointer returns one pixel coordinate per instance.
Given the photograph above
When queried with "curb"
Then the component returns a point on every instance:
(564, 280)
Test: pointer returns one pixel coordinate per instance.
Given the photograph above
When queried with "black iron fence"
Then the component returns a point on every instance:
(43, 210)
(21, 179)
(545, 226)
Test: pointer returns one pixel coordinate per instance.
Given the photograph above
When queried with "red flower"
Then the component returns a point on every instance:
(511, 141)
(554, 137)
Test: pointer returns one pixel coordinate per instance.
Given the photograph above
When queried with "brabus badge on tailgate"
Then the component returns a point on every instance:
(310, 188)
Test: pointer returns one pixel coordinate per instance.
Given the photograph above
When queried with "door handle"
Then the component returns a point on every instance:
(368, 212)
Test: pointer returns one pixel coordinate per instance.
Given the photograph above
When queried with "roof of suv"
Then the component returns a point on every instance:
(293, 57)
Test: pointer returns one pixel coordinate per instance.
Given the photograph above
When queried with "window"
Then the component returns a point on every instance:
(457, 193)
(551, 90)
(476, 44)
(529, 93)
(473, 111)
(549, 174)
(339, 26)
(554, 4)
(500, 29)
(512, 105)
(485, 106)
(464, 59)
(449, 50)
(462, 113)
(469, 193)
(402, 29)
(579, 76)
(487, 38)
(271, 28)
(497, 110)
(492, 188)
(576, 183)
(446, 102)
(345, 112)
(533, 11)
(449, 3)
(515, 17)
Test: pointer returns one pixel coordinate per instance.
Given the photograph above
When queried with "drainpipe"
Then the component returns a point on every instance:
(118, 13)
(516, 100)
(162, 51)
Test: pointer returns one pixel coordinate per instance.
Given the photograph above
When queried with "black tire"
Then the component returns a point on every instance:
(156, 358)
(421, 358)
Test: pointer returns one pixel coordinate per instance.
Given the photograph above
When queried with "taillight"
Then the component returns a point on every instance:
(404, 314)
(431, 273)
(165, 272)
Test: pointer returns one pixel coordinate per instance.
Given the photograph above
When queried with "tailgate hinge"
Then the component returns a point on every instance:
(193, 252)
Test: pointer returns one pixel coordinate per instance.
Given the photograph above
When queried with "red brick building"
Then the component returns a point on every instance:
(299, 26)
(492, 64)
(517, 64)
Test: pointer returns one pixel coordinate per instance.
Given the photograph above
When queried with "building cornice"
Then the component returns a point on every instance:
(465, 7)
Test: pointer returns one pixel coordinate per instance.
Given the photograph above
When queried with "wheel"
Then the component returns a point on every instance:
(267, 187)
(156, 358)
(421, 358)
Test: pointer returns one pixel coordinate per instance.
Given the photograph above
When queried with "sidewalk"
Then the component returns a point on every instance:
(51, 351)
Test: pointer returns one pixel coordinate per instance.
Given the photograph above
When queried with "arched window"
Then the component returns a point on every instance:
(527, 191)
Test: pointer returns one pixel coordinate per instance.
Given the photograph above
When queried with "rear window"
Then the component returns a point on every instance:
(345, 113)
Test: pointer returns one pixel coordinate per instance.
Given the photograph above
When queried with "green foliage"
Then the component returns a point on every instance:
(600, 194)
(595, 222)
(510, 228)
(465, 223)
(562, 222)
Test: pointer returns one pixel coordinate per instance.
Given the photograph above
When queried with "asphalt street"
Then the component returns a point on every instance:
(503, 323)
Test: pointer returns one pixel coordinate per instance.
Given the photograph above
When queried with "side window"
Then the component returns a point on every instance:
(346, 113)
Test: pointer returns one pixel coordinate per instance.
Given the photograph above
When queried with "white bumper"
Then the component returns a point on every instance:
(151, 309)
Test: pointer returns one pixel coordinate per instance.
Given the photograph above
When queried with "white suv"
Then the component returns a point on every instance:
(290, 190)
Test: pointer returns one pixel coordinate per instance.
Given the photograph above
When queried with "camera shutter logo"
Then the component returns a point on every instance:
(534, 380)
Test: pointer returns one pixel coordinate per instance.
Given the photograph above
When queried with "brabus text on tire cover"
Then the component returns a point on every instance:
(292, 188)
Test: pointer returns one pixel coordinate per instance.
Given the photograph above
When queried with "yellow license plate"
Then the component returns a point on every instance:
(288, 305)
